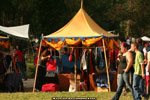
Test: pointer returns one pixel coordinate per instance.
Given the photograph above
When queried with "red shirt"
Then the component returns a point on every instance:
(18, 56)
(51, 65)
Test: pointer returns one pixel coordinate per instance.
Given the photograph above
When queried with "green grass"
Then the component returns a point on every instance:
(30, 70)
(49, 95)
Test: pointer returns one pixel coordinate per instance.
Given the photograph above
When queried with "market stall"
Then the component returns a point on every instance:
(81, 29)
(12, 80)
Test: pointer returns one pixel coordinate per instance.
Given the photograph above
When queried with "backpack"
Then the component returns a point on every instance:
(51, 87)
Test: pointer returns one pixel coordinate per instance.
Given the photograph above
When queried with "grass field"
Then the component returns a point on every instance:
(48, 95)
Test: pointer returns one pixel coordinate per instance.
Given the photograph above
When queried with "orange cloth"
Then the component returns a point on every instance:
(106, 41)
(91, 41)
(55, 45)
(116, 43)
(5, 44)
(73, 42)
(110, 44)
(99, 43)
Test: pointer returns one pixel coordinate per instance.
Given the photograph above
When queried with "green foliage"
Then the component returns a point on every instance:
(127, 17)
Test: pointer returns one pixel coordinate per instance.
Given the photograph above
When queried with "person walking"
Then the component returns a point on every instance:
(126, 62)
(139, 74)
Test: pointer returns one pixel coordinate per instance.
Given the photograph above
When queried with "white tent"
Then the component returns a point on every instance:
(145, 38)
(18, 31)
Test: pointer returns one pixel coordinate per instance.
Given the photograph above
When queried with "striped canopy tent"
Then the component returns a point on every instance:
(80, 29)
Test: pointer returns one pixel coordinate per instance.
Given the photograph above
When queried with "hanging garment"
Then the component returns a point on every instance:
(83, 62)
(88, 68)
(113, 57)
(92, 62)
(100, 62)
(90, 58)
(71, 57)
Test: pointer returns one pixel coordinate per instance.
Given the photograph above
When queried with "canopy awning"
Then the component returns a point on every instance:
(81, 25)
(80, 29)
(18, 31)
(145, 38)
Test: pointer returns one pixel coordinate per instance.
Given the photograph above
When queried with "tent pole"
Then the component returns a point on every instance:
(81, 3)
(75, 69)
(106, 65)
(37, 65)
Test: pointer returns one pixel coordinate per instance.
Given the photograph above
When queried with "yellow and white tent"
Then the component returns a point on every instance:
(81, 25)
(81, 28)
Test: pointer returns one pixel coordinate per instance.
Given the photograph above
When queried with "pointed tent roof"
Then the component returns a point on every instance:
(81, 25)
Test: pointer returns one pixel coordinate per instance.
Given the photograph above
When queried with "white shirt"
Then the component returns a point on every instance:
(128, 41)
(144, 51)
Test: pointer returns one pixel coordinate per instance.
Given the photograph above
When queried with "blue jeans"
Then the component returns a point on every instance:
(124, 79)
(138, 87)
(21, 71)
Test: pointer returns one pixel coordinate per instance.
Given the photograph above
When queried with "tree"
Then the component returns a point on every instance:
(127, 17)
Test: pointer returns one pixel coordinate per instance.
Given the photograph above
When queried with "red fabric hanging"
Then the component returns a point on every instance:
(71, 55)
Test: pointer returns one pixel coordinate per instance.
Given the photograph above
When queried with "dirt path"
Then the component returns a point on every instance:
(28, 85)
